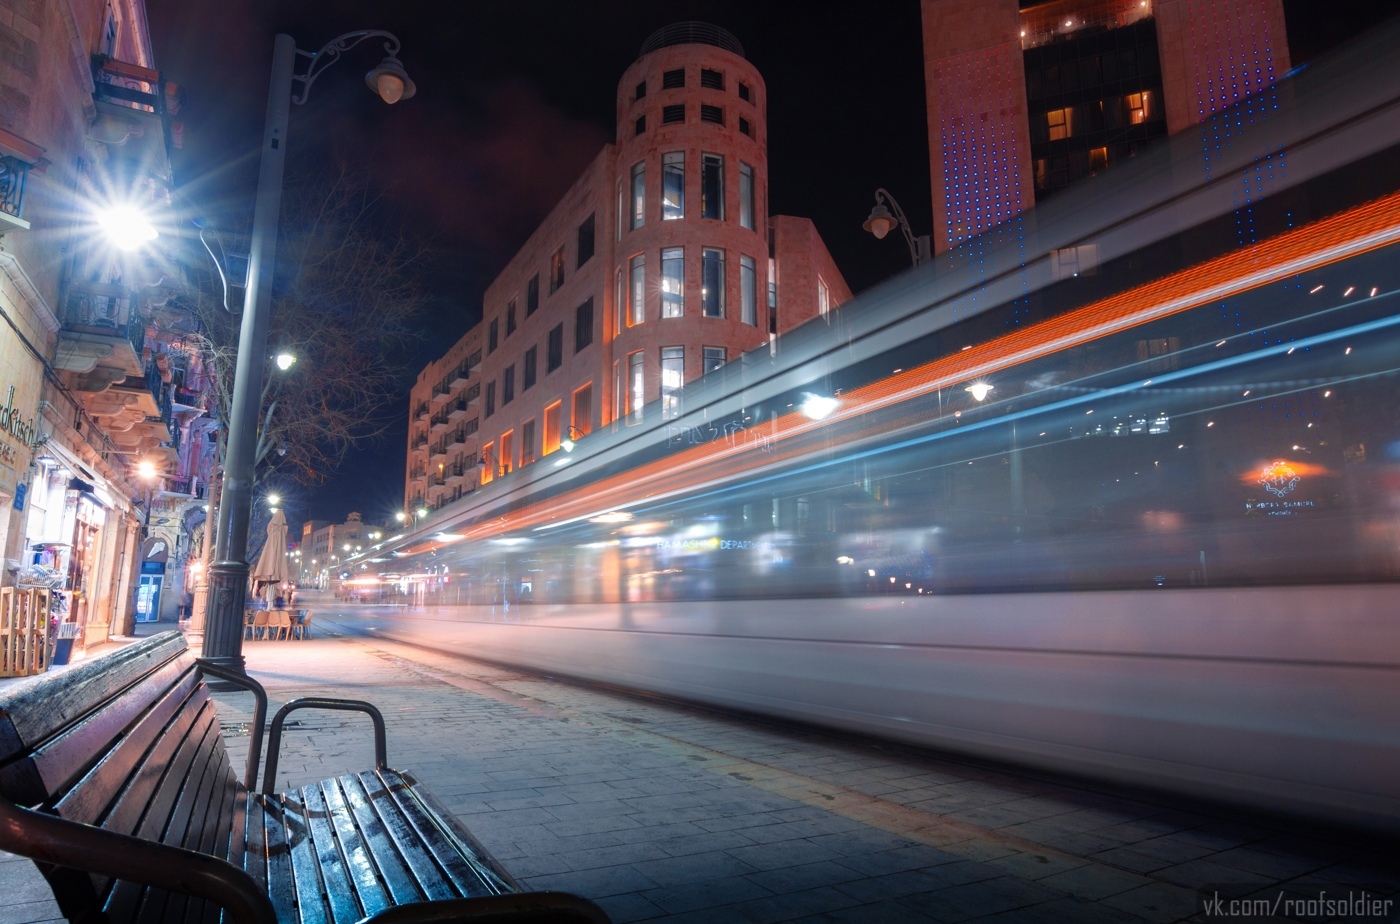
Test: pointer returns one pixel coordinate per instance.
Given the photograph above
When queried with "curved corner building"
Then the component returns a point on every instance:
(660, 264)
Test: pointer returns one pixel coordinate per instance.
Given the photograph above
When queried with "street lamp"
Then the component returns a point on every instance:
(228, 576)
(568, 443)
(882, 222)
(286, 360)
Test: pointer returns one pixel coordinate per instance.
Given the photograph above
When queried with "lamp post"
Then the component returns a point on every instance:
(882, 221)
(228, 576)
(570, 441)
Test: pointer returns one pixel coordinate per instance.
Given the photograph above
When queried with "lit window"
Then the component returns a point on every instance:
(748, 291)
(527, 443)
(1058, 121)
(823, 296)
(672, 282)
(488, 458)
(638, 291)
(507, 460)
(1137, 107)
(746, 196)
(636, 386)
(551, 428)
(712, 186)
(673, 185)
(1075, 261)
(712, 282)
(672, 380)
(639, 195)
(1098, 159)
(583, 409)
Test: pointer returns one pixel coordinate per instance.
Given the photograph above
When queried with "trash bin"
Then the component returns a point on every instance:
(63, 646)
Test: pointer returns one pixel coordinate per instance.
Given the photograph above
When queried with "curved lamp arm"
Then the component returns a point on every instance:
(914, 251)
(331, 52)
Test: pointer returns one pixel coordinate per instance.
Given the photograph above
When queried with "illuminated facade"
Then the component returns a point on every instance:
(659, 264)
(1025, 99)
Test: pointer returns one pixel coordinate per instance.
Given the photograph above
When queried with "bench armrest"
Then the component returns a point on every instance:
(49, 839)
(520, 908)
(238, 678)
(274, 742)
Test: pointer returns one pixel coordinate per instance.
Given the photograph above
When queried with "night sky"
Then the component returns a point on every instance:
(516, 98)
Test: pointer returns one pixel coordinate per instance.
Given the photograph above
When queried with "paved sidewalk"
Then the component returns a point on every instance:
(663, 811)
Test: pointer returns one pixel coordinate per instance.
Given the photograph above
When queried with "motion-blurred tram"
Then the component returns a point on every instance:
(1113, 490)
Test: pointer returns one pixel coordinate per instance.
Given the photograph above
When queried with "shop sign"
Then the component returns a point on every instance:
(14, 424)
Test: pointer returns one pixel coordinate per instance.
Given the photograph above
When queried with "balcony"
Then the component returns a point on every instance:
(423, 411)
(457, 409)
(474, 360)
(437, 453)
(17, 158)
(470, 427)
(102, 335)
(473, 394)
(130, 101)
(458, 378)
(420, 441)
(456, 473)
(439, 422)
(441, 392)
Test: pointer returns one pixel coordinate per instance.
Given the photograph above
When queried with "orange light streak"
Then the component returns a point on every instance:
(1348, 234)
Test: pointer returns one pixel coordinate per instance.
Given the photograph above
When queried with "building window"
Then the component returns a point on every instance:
(510, 318)
(712, 282)
(551, 428)
(712, 186)
(672, 282)
(674, 113)
(585, 241)
(529, 368)
(493, 336)
(620, 303)
(507, 460)
(508, 385)
(672, 185)
(488, 462)
(713, 114)
(637, 292)
(713, 80)
(1058, 123)
(636, 386)
(641, 90)
(490, 398)
(714, 358)
(641, 125)
(746, 196)
(527, 443)
(672, 380)
(555, 354)
(556, 271)
(639, 195)
(1137, 107)
(748, 291)
(745, 127)
(1098, 159)
(744, 93)
(823, 296)
(772, 296)
(1069, 262)
(621, 207)
(583, 326)
(583, 409)
(673, 80)
(532, 295)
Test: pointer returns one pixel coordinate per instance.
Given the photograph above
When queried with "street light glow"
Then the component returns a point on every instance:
(817, 407)
(979, 390)
(286, 361)
(126, 226)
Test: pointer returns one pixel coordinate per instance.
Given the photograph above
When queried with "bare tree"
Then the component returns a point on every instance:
(344, 300)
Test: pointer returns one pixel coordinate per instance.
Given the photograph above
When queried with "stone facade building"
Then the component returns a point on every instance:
(93, 392)
(659, 264)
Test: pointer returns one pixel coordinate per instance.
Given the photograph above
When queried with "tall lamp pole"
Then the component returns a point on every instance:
(228, 576)
(882, 221)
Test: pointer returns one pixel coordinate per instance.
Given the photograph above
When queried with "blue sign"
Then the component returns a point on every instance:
(20, 490)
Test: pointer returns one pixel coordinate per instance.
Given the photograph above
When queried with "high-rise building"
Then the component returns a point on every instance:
(1025, 98)
(660, 263)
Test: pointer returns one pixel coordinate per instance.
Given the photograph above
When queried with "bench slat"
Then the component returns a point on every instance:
(339, 884)
(120, 770)
(397, 856)
(455, 851)
(199, 829)
(56, 763)
(307, 868)
(277, 860)
(125, 897)
(357, 849)
(35, 710)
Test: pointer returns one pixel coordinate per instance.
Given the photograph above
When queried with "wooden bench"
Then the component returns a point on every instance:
(115, 780)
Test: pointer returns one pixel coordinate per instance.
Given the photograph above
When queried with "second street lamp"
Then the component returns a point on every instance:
(228, 576)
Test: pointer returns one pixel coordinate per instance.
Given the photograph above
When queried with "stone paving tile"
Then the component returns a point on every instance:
(696, 868)
(709, 894)
(795, 905)
(917, 881)
(978, 899)
(1095, 881)
(1157, 902)
(624, 909)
